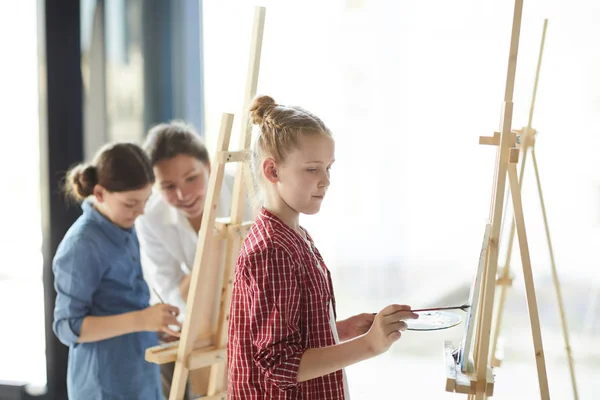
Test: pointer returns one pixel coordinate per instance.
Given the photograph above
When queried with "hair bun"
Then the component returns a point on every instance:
(85, 177)
(260, 107)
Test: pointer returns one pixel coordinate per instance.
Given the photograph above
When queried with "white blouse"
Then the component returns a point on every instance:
(168, 245)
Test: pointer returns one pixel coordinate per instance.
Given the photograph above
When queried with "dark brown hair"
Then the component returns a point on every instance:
(168, 140)
(118, 167)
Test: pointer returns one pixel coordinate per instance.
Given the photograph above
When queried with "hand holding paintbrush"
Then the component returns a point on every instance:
(160, 318)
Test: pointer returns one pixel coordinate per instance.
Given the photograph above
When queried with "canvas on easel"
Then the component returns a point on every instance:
(465, 352)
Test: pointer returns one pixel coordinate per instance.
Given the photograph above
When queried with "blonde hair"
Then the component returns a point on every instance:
(278, 129)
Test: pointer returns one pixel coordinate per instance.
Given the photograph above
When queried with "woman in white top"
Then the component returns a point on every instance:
(168, 230)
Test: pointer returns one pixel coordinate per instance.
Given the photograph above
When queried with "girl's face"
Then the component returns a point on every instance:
(302, 180)
(122, 208)
(183, 182)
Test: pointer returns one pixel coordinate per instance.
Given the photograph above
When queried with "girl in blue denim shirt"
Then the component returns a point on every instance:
(101, 309)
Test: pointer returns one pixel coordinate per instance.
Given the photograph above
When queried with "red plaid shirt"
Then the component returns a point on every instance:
(279, 309)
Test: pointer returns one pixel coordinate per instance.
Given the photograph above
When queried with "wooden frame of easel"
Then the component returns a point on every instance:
(527, 137)
(479, 384)
(204, 335)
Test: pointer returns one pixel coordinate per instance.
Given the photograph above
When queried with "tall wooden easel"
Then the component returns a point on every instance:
(479, 384)
(204, 335)
(527, 137)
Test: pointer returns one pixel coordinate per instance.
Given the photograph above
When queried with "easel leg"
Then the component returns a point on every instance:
(529, 284)
(199, 381)
(506, 272)
(563, 319)
(590, 314)
(218, 373)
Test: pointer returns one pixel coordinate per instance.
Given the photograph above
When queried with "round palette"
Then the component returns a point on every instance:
(433, 321)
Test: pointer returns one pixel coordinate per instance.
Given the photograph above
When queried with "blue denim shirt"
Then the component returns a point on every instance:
(97, 271)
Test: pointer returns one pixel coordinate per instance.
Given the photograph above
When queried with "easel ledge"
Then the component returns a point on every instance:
(459, 382)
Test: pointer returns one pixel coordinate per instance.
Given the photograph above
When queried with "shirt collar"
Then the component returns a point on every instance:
(117, 234)
(266, 214)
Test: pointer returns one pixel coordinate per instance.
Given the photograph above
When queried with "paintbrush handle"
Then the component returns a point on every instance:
(158, 295)
(439, 308)
(463, 307)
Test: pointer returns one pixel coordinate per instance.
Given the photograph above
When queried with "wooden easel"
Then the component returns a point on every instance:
(527, 137)
(479, 384)
(204, 334)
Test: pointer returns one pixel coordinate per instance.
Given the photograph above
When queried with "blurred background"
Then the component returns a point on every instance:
(406, 87)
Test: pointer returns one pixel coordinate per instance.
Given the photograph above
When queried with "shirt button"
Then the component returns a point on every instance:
(134, 258)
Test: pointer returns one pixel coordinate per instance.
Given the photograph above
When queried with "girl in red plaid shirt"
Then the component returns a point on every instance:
(284, 341)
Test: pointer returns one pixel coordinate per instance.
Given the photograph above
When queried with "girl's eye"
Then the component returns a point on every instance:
(311, 169)
(129, 205)
(168, 188)
(192, 178)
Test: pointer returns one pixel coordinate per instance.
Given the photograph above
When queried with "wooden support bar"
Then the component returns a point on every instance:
(166, 353)
(495, 140)
(224, 228)
(202, 358)
(224, 225)
(242, 228)
(162, 354)
(233, 156)
(490, 140)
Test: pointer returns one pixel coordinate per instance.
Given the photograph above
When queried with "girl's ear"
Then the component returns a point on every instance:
(99, 193)
(269, 169)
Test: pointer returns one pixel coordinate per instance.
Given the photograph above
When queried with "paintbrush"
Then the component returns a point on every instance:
(464, 307)
(158, 295)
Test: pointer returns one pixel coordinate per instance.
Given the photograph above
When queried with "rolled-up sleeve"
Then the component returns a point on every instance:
(275, 316)
(162, 271)
(77, 275)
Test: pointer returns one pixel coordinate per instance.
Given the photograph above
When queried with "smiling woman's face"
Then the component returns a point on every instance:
(183, 182)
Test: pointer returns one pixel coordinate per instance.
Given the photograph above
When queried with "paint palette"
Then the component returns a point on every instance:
(433, 321)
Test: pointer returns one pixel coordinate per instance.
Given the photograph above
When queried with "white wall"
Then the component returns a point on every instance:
(407, 88)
